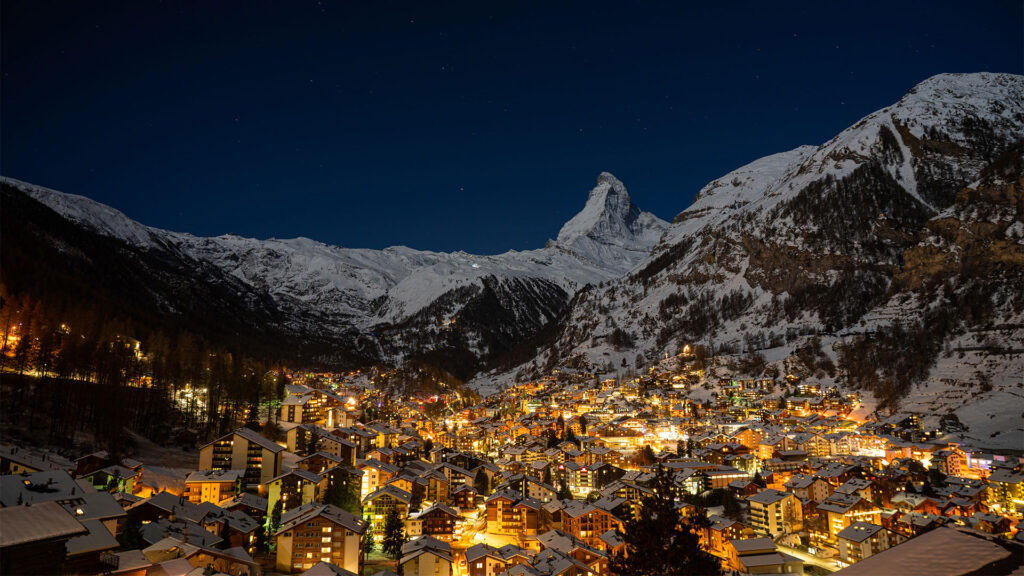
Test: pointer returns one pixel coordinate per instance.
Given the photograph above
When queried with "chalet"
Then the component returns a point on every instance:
(246, 450)
(295, 488)
(437, 520)
(18, 460)
(844, 509)
(319, 533)
(252, 505)
(807, 487)
(344, 450)
(318, 462)
(1006, 490)
(502, 517)
(720, 531)
(377, 505)
(163, 505)
(860, 540)
(485, 560)
(426, 557)
(760, 556)
(464, 497)
(529, 486)
(175, 555)
(596, 559)
(375, 475)
(212, 485)
(299, 409)
(775, 513)
(114, 478)
(584, 521)
(236, 527)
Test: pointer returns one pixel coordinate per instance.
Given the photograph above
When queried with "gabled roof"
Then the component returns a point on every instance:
(94, 505)
(859, 531)
(251, 436)
(172, 504)
(214, 476)
(390, 490)
(180, 529)
(753, 545)
(478, 551)
(33, 459)
(303, 474)
(307, 512)
(320, 454)
(437, 507)
(800, 481)
(295, 400)
(46, 521)
(325, 569)
(768, 497)
(382, 466)
(513, 495)
(840, 503)
(566, 543)
(45, 486)
(256, 438)
(246, 499)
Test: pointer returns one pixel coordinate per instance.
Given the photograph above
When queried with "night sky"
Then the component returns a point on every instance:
(478, 126)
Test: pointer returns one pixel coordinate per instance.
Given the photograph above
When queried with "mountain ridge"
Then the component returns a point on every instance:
(344, 292)
(807, 243)
(828, 246)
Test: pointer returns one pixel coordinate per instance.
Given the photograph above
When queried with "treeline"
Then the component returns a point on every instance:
(67, 373)
(894, 358)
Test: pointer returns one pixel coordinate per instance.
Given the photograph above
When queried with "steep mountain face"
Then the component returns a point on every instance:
(953, 320)
(399, 301)
(60, 262)
(803, 242)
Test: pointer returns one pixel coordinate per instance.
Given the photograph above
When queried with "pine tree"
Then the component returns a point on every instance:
(275, 519)
(394, 535)
(563, 491)
(342, 494)
(369, 543)
(482, 483)
(418, 492)
(661, 542)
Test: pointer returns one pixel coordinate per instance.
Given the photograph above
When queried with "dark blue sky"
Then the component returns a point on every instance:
(477, 126)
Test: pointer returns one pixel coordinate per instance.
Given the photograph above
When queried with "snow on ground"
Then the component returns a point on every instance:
(170, 479)
(995, 417)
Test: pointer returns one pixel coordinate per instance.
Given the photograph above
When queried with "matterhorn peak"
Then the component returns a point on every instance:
(610, 179)
(610, 217)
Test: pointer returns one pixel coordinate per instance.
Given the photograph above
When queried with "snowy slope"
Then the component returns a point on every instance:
(345, 289)
(808, 241)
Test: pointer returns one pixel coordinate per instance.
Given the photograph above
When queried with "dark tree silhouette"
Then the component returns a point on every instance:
(662, 542)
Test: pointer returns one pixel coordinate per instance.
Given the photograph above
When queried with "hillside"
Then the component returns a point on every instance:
(836, 241)
(460, 309)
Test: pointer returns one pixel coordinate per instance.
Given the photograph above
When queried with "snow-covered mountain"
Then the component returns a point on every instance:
(331, 290)
(808, 242)
(895, 251)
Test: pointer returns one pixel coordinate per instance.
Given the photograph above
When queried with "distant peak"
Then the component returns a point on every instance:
(609, 215)
(610, 179)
